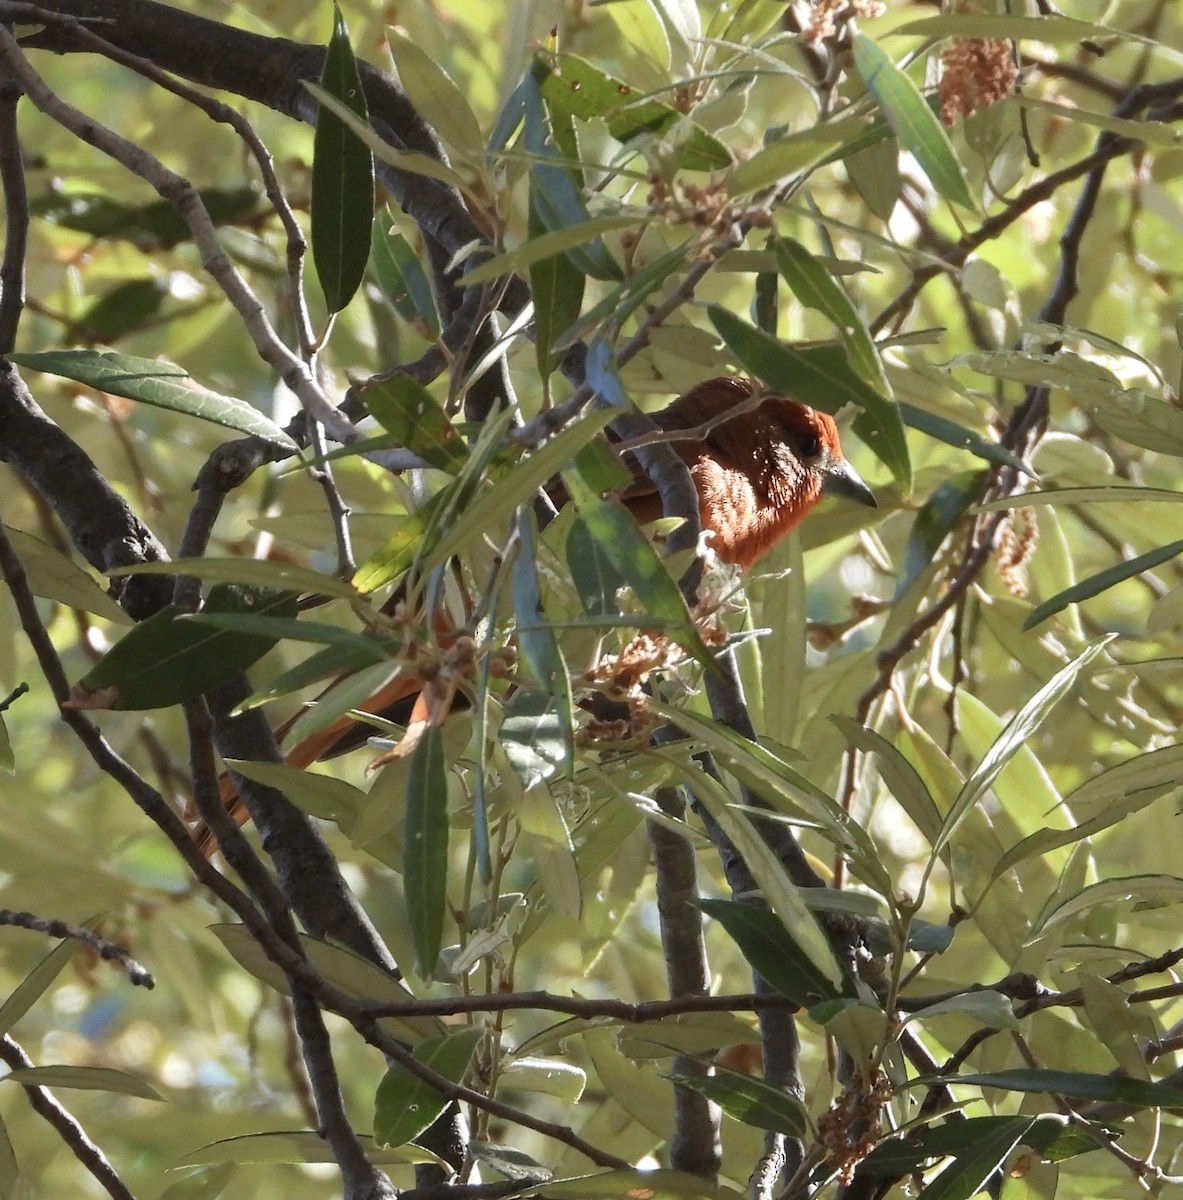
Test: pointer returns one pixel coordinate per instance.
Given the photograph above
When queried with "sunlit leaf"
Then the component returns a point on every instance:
(915, 126)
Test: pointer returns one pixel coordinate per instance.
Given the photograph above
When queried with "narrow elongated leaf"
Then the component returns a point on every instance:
(1103, 581)
(1043, 1081)
(556, 285)
(632, 556)
(96, 1079)
(820, 377)
(797, 152)
(953, 434)
(915, 126)
(161, 384)
(431, 90)
(779, 892)
(169, 658)
(36, 983)
(495, 505)
(252, 572)
(1124, 789)
(298, 1145)
(1019, 730)
(750, 1100)
(342, 178)
(55, 577)
(902, 779)
(1085, 495)
(585, 92)
(816, 288)
(406, 1105)
(425, 864)
(413, 417)
(536, 639)
(934, 522)
(771, 951)
(968, 1172)
(401, 275)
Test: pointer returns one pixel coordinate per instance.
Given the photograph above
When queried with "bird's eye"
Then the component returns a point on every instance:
(810, 446)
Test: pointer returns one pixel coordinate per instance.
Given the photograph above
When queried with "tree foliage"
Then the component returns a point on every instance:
(853, 875)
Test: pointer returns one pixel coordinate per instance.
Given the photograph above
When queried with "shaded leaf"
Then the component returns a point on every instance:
(401, 275)
(296, 1146)
(36, 983)
(342, 178)
(425, 853)
(750, 1100)
(1043, 1081)
(161, 384)
(55, 577)
(935, 521)
(169, 658)
(771, 951)
(406, 1105)
(413, 417)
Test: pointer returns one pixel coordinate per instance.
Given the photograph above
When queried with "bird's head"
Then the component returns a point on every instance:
(806, 451)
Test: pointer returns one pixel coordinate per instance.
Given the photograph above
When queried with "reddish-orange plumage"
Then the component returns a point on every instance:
(758, 474)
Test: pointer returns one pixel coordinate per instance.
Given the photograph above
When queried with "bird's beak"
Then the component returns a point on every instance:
(843, 480)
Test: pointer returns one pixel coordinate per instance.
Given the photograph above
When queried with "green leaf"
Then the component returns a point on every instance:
(168, 658)
(965, 1176)
(406, 1105)
(342, 178)
(543, 247)
(557, 184)
(152, 226)
(778, 891)
(935, 521)
(953, 434)
(298, 1146)
(97, 1079)
(585, 92)
(1085, 495)
(632, 556)
(401, 275)
(425, 840)
(913, 1149)
(556, 286)
(343, 968)
(797, 152)
(55, 577)
(431, 90)
(1103, 581)
(1103, 801)
(771, 951)
(123, 309)
(915, 126)
(900, 776)
(494, 505)
(1018, 732)
(750, 1100)
(161, 384)
(413, 417)
(1085, 1086)
(261, 573)
(36, 983)
(320, 796)
(816, 288)
(820, 377)
(536, 639)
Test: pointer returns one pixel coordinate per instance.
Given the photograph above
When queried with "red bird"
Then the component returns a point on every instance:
(758, 474)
